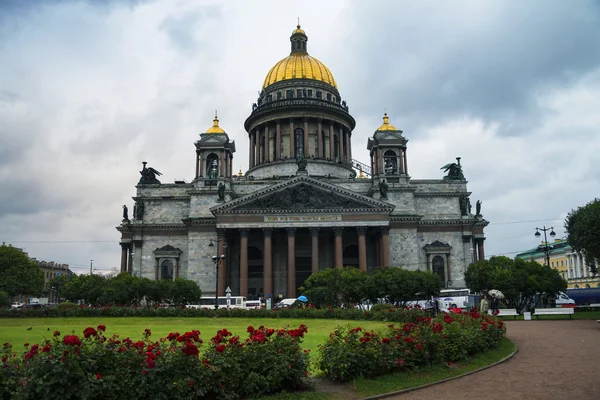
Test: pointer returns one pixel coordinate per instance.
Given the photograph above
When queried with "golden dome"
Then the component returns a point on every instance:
(298, 30)
(299, 65)
(386, 124)
(215, 128)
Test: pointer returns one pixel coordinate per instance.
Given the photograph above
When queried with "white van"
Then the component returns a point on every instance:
(563, 300)
(285, 303)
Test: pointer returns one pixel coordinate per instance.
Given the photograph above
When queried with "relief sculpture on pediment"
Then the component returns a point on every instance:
(303, 197)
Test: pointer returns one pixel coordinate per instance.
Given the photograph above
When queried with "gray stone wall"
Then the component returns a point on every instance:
(165, 211)
(437, 207)
(404, 250)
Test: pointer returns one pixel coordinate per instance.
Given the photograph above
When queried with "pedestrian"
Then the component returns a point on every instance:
(484, 306)
(494, 304)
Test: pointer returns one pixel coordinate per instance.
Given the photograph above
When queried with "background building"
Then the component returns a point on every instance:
(571, 264)
(299, 208)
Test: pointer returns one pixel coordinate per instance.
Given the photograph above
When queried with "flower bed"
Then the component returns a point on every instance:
(354, 353)
(96, 367)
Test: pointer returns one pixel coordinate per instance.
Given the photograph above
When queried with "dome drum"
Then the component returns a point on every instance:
(315, 168)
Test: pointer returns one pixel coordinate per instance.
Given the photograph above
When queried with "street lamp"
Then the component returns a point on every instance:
(546, 248)
(217, 260)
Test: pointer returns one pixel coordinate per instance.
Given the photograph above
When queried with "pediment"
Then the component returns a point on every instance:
(390, 135)
(303, 194)
(167, 250)
(437, 246)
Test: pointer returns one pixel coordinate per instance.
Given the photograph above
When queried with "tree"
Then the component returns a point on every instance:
(400, 286)
(184, 292)
(18, 274)
(583, 232)
(523, 283)
(335, 287)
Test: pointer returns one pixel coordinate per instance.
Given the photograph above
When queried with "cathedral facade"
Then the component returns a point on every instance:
(304, 204)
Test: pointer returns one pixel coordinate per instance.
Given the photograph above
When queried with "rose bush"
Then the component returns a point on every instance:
(93, 366)
(353, 353)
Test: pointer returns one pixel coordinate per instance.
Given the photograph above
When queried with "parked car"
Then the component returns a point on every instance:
(253, 304)
(285, 303)
(17, 305)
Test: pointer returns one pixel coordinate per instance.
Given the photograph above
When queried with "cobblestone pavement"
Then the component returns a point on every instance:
(556, 360)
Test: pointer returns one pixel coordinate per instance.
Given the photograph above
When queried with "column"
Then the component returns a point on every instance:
(427, 260)
(584, 268)
(320, 143)
(251, 151)
(197, 163)
(380, 161)
(385, 244)
(314, 235)
(349, 147)
(177, 268)
(331, 151)
(292, 140)
(124, 247)
(222, 164)
(577, 271)
(222, 264)
(129, 260)
(405, 163)
(156, 269)
(372, 165)
(568, 257)
(342, 154)
(362, 248)
(480, 249)
(244, 262)
(278, 142)
(267, 146)
(267, 262)
(339, 261)
(449, 271)
(306, 148)
(201, 162)
(291, 267)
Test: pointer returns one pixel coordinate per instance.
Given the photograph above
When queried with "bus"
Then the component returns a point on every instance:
(585, 296)
(453, 298)
(209, 302)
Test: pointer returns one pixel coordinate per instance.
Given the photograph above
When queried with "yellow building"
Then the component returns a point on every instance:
(572, 265)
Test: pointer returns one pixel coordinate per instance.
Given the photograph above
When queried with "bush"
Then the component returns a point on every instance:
(353, 353)
(95, 367)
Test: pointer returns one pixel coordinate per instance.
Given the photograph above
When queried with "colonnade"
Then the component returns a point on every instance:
(333, 141)
(267, 232)
(577, 266)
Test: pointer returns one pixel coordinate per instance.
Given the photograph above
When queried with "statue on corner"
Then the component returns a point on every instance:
(138, 210)
(478, 208)
(301, 161)
(383, 189)
(221, 192)
(149, 175)
(454, 171)
(125, 215)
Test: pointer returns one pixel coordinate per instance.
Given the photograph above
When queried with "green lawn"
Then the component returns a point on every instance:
(15, 331)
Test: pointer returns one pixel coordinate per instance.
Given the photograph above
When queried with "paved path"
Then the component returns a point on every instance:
(556, 360)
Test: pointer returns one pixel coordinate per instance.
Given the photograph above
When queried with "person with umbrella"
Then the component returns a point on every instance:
(496, 296)
(303, 301)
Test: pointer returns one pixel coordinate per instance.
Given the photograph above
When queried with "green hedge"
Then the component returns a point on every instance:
(382, 313)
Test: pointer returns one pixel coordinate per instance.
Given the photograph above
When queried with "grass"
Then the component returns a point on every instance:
(15, 331)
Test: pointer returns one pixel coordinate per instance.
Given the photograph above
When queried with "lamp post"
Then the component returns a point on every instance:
(217, 260)
(546, 248)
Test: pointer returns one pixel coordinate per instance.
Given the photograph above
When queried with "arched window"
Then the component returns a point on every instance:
(262, 149)
(390, 162)
(299, 141)
(437, 267)
(336, 147)
(212, 166)
(166, 270)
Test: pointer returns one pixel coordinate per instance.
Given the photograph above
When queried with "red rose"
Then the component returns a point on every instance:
(250, 329)
(385, 340)
(144, 372)
(72, 340)
(98, 376)
(220, 348)
(89, 331)
(102, 328)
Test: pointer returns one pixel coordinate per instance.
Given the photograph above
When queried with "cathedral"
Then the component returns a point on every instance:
(304, 204)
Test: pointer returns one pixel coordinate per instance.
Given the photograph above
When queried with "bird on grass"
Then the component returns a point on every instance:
(30, 328)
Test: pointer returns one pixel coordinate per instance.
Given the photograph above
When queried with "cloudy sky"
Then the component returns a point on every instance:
(90, 89)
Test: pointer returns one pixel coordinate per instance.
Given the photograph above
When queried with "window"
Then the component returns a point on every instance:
(212, 166)
(166, 270)
(390, 162)
(317, 143)
(299, 93)
(328, 96)
(309, 92)
(262, 149)
(319, 94)
(299, 141)
(289, 94)
(437, 267)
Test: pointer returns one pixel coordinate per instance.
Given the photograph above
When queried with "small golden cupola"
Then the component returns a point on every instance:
(215, 128)
(386, 124)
